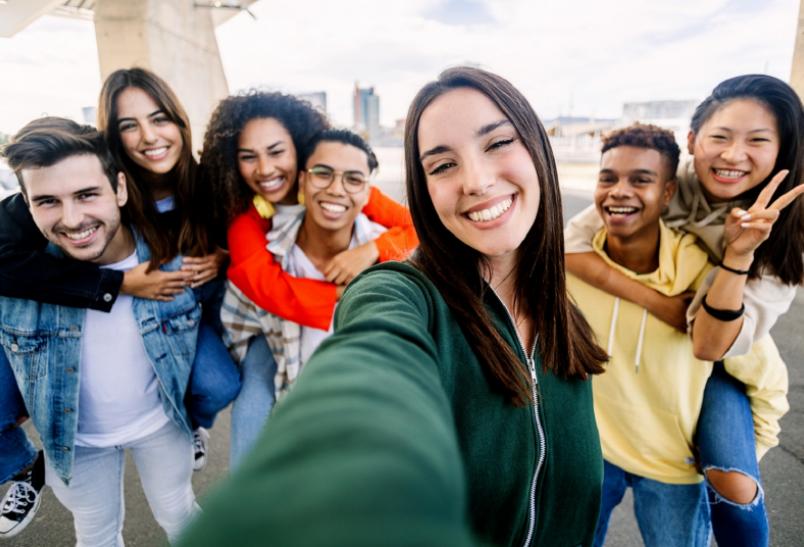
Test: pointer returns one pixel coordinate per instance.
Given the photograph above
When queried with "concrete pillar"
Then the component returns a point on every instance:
(173, 39)
(797, 70)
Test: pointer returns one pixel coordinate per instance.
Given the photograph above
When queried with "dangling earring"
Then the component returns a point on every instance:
(264, 207)
(300, 196)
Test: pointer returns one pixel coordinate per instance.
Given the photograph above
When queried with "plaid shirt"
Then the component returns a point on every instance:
(242, 319)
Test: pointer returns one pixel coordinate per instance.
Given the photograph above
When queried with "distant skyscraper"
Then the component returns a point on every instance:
(317, 98)
(90, 114)
(366, 111)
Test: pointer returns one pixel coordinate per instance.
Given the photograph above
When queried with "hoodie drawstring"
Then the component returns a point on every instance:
(640, 341)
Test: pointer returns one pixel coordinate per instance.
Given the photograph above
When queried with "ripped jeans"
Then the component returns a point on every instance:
(725, 440)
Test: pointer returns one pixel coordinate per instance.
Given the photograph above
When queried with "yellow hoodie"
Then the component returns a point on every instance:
(648, 401)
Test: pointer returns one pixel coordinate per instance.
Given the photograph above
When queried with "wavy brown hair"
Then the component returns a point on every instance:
(201, 225)
(566, 343)
(219, 157)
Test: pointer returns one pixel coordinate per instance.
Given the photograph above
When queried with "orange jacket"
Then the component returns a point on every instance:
(306, 301)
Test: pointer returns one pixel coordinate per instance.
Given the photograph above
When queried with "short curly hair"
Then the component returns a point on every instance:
(646, 136)
(219, 156)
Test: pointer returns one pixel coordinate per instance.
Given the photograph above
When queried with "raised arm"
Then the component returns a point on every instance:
(720, 319)
(254, 271)
(366, 435)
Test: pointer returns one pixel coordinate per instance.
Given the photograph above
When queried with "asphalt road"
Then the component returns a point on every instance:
(782, 468)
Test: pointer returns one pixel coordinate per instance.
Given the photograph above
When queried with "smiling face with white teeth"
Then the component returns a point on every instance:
(149, 137)
(267, 160)
(634, 186)
(481, 179)
(73, 204)
(333, 208)
(735, 149)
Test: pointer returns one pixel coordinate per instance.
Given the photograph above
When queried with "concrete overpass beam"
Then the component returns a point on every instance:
(174, 39)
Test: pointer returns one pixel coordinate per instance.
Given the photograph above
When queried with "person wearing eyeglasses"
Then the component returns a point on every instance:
(254, 150)
(334, 188)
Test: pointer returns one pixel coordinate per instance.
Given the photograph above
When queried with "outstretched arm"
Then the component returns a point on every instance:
(592, 269)
(254, 271)
(27, 271)
(367, 436)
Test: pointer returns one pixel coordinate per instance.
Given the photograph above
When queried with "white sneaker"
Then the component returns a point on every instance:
(200, 438)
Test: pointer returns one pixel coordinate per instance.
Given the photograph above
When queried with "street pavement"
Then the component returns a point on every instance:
(782, 469)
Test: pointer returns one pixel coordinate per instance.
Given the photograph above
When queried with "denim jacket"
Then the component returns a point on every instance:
(43, 344)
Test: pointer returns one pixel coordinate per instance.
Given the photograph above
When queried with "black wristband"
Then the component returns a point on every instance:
(723, 315)
(733, 270)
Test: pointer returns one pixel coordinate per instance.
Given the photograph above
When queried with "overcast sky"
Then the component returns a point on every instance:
(568, 56)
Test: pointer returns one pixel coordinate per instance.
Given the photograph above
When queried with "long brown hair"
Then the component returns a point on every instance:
(566, 343)
(199, 218)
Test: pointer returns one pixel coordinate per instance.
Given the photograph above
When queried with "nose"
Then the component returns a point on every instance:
(620, 190)
(71, 215)
(336, 187)
(264, 166)
(148, 133)
(734, 152)
(477, 177)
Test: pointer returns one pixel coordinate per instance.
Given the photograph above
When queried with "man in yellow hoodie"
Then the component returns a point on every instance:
(648, 402)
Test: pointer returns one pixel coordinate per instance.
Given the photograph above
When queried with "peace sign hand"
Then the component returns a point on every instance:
(744, 231)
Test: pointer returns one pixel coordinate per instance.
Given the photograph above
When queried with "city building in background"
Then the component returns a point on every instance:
(366, 112)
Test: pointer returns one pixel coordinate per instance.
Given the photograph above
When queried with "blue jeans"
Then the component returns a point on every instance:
(251, 408)
(95, 493)
(214, 378)
(16, 451)
(725, 440)
(669, 515)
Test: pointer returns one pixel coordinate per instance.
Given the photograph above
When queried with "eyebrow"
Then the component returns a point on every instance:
(154, 113)
(77, 192)
(269, 147)
(485, 130)
(488, 128)
(359, 171)
(760, 130)
(632, 172)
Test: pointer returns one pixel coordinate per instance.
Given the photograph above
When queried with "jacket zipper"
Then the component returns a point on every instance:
(537, 424)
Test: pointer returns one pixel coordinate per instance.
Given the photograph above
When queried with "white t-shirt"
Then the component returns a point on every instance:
(119, 394)
(301, 266)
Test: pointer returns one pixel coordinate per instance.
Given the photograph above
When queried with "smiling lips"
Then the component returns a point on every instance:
(156, 153)
(272, 184)
(728, 176)
(620, 210)
(82, 237)
(494, 212)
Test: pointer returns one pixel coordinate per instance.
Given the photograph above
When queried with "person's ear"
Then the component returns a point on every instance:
(122, 190)
(691, 143)
(670, 187)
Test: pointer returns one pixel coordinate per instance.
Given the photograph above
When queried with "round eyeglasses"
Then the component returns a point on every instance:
(322, 177)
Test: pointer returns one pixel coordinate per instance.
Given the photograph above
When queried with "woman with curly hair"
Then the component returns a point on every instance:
(253, 150)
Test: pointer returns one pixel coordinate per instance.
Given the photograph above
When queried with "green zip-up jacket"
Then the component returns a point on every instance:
(393, 435)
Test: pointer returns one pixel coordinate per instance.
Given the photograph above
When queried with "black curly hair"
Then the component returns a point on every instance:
(219, 156)
(642, 135)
